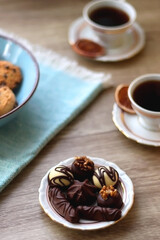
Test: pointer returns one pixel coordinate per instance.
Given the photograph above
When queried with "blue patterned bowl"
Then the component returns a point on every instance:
(14, 52)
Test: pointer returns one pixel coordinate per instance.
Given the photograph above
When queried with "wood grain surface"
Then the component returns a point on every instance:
(92, 133)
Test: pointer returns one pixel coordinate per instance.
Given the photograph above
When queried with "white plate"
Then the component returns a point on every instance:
(133, 43)
(127, 195)
(129, 125)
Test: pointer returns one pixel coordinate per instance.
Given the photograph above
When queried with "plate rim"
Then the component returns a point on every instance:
(120, 126)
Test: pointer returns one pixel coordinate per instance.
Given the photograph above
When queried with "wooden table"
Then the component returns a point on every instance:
(91, 133)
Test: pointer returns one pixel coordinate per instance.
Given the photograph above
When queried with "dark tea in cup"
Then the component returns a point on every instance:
(144, 94)
(147, 95)
(109, 16)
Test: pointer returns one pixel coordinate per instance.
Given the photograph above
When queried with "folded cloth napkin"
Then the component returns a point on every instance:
(64, 90)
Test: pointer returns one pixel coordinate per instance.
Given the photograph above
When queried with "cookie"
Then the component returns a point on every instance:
(10, 75)
(7, 100)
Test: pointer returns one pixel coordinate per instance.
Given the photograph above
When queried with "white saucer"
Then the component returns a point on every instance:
(134, 41)
(129, 125)
(126, 189)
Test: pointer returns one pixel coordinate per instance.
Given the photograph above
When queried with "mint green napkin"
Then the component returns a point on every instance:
(61, 95)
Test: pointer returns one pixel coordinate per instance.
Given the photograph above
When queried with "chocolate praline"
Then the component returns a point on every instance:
(81, 193)
(97, 213)
(82, 168)
(60, 176)
(109, 197)
(62, 205)
(105, 175)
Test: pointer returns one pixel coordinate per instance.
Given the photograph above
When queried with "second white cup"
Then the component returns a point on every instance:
(144, 94)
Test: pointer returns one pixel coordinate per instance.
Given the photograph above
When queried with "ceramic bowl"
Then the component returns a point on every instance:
(14, 52)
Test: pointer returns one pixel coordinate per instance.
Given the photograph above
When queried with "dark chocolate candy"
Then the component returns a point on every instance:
(109, 197)
(111, 201)
(62, 206)
(99, 213)
(82, 168)
(81, 193)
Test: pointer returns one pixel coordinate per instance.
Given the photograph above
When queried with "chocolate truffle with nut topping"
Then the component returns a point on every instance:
(109, 197)
(82, 168)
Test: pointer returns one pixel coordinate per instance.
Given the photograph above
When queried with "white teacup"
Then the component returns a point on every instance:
(112, 36)
(148, 118)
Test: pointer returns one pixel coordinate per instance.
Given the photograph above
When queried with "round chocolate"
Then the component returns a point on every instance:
(81, 193)
(105, 176)
(82, 168)
(60, 176)
(109, 197)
